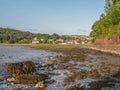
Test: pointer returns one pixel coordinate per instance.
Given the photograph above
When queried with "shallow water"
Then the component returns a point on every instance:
(3, 84)
(10, 54)
(15, 54)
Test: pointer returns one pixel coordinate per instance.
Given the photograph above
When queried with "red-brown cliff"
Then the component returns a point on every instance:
(108, 41)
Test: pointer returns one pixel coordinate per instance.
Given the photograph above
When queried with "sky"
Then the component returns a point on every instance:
(64, 17)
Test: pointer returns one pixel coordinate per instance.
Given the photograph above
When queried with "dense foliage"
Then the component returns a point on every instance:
(8, 35)
(109, 23)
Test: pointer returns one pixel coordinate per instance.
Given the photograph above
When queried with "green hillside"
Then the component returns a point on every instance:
(8, 35)
(109, 23)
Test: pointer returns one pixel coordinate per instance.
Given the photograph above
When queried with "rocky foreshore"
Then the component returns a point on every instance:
(78, 69)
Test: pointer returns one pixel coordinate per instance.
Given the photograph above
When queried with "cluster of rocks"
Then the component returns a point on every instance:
(40, 75)
(26, 75)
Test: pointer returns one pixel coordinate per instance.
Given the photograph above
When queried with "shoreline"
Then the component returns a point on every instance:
(94, 61)
(110, 49)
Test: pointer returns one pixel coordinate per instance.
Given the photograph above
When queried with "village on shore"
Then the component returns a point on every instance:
(75, 39)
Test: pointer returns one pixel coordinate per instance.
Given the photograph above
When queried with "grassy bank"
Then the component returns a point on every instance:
(54, 47)
(51, 47)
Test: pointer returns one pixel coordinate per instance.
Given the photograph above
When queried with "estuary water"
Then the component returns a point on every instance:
(15, 54)
(11, 54)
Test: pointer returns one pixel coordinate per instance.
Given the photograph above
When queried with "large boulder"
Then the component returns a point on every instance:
(25, 67)
(11, 79)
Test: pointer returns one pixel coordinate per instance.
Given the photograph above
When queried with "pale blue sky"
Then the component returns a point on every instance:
(51, 16)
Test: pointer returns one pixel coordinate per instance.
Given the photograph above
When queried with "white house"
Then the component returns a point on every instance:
(35, 40)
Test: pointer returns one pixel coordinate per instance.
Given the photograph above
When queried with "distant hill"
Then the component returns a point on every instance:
(8, 35)
(10, 30)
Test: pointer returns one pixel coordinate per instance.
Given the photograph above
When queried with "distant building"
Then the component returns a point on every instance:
(86, 40)
(63, 43)
(50, 40)
(72, 42)
(60, 40)
(35, 40)
(41, 39)
(69, 42)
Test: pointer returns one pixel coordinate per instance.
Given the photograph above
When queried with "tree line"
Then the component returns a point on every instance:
(9, 35)
(108, 25)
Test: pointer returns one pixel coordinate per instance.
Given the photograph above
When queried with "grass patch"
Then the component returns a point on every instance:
(54, 47)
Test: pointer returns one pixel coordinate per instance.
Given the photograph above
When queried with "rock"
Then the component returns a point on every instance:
(11, 79)
(30, 78)
(89, 70)
(13, 74)
(39, 85)
(38, 66)
(59, 61)
(18, 68)
(50, 81)
(44, 65)
(50, 68)
(50, 62)
(81, 85)
(12, 83)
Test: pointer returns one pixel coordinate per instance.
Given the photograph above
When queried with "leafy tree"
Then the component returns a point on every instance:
(1, 39)
(108, 4)
(55, 36)
(109, 23)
